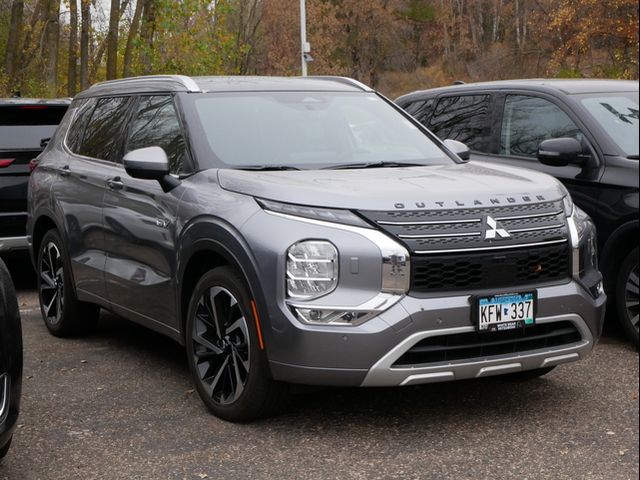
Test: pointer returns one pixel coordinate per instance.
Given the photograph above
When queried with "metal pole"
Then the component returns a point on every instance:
(303, 37)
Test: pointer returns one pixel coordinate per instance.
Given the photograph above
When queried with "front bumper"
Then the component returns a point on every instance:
(364, 355)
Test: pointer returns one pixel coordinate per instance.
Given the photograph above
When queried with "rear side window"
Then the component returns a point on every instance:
(527, 121)
(80, 120)
(22, 127)
(103, 134)
(156, 124)
(465, 118)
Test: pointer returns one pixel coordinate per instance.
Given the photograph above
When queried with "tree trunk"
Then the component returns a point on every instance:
(13, 42)
(133, 31)
(146, 34)
(85, 13)
(52, 36)
(73, 47)
(112, 40)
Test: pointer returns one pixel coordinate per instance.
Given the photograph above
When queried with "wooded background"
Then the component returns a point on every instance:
(51, 48)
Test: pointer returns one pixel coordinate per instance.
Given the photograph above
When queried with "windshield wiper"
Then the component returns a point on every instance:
(633, 157)
(375, 165)
(264, 168)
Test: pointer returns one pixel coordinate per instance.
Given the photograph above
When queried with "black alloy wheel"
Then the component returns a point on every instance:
(62, 312)
(627, 298)
(225, 350)
(51, 283)
(221, 345)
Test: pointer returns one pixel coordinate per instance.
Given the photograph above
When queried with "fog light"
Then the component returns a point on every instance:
(326, 317)
(312, 269)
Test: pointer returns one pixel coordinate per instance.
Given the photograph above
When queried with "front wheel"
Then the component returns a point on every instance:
(627, 300)
(225, 353)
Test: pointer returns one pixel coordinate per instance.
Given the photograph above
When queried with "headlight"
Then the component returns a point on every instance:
(312, 269)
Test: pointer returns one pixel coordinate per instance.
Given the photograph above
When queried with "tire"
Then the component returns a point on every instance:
(63, 314)
(526, 375)
(627, 295)
(4, 450)
(230, 370)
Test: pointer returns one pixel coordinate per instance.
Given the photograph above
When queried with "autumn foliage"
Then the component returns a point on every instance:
(49, 48)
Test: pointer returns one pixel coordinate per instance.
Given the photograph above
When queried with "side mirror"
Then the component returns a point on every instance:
(560, 152)
(458, 148)
(150, 163)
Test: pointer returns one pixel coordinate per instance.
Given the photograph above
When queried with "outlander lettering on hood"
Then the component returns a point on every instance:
(474, 202)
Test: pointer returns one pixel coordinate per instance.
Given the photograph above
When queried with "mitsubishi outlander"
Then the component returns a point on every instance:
(305, 230)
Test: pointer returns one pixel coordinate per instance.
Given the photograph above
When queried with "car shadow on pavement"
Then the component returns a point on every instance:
(334, 407)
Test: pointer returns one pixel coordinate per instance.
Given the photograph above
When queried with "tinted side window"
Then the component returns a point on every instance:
(80, 120)
(103, 134)
(466, 119)
(527, 121)
(421, 110)
(156, 124)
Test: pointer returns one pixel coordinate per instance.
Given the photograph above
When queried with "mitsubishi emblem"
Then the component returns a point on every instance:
(494, 229)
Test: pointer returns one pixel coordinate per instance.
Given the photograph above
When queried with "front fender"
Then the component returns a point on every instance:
(208, 233)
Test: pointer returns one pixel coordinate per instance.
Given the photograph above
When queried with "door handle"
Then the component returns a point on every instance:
(115, 183)
(64, 171)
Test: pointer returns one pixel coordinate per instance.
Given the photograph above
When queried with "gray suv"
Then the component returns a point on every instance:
(305, 230)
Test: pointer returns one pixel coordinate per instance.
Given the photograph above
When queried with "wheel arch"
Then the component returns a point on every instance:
(616, 248)
(208, 243)
(44, 222)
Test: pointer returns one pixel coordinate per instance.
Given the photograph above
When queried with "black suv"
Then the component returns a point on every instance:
(25, 127)
(584, 132)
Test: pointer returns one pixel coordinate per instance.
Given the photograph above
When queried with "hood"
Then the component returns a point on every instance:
(435, 187)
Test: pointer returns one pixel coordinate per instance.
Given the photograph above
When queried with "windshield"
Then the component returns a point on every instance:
(617, 114)
(308, 130)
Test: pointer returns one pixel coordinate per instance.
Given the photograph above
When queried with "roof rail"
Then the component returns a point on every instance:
(345, 80)
(187, 82)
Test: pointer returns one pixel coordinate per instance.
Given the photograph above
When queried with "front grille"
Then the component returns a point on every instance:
(451, 272)
(473, 345)
(440, 231)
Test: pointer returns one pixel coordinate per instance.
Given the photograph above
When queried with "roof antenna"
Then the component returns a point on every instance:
(458, 82)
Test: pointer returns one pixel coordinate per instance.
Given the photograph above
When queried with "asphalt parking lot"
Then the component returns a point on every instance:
(120, 404)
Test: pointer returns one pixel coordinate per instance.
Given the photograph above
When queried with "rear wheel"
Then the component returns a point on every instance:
(224, 351)
(627, 299)
(62, 312)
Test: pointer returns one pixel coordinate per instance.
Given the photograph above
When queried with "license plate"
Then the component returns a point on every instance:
(506, 312)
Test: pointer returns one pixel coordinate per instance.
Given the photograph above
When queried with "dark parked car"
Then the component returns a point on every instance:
(25, 127)
(305, 230)
(583, 132)
(10, 359)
